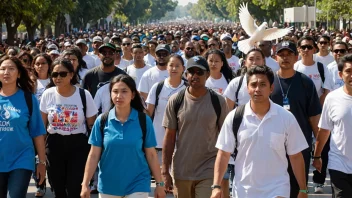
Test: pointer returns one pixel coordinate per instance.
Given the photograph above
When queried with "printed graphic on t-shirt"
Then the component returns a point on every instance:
(39, 93)
(217, 90)
(64, 117)
(5, 114)
(314, 76)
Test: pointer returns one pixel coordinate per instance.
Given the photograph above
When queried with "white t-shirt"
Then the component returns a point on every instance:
(124, 63)
(313, 73)
(326, 60)
(166, 92)
(336, 117)
(41, 86)
(332, 79)
(96, 58)
(82, 72)
(65, 114)
(102, 98)
(136, 73)
(270, 62)
(230, 91)
(90, 61)
(234, 63)
(261, 163)
(149, 59)
(217, 85)
(150, 77)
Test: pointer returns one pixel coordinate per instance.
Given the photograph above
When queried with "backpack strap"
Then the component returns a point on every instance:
(238, 89)
(84, 103)
(103, 119)
(321, 71)
(179, 100)
(216, 105)
(157, 93)
(143, 124)
(237, 120)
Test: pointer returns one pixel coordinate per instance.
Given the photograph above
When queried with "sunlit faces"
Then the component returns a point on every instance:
(175, 67)
(121, 95)
(306, 48)
(138, 54)
(61, 76)
(74, 60)
(162, 57)
(197, 77)
(41, 65)
(215, 62)
(254, 58)
(107, 56)
(259, 88)
(286, 59)
(346, 74)
(323, 44)
(339, 51)
(8, 72)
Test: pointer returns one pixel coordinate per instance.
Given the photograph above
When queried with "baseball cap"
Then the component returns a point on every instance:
(198, 61)
(54, 52)
(286, 45)
(195, 37)
(107, 45)
(81, 41)
(52, 47)
(226, 36)
(66, 44)
(204, 37)
(163, 47)
(97, 39)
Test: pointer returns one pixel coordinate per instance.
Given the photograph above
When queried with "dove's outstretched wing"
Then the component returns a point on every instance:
(247, 21)
(275, 33)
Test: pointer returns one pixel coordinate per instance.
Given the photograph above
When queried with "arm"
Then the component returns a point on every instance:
(322, 97)
(144, 95)
(91, 165)
(150, 109)
(153, 162)
(322, 138)
(230, 104)
(90, 121)
(39, 143)
(221, 162)
(298, 168)
(314, 120)
(168, 150)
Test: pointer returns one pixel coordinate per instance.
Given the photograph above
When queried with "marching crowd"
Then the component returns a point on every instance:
(106, 111)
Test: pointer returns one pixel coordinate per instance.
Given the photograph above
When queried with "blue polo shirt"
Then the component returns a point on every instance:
(123, 167)
(17, 129)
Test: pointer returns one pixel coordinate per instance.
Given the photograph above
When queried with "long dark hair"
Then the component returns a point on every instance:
(48, 60)
(68, 65)
(30, 58)
(225, 69)
(81, 63)
(24, 82)
(136, 102)
(243, 69)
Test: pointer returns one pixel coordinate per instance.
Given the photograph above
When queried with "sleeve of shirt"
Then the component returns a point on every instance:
(36, 125)
(98, 99)
(91, 108)
(295, 140)
(43, 102)
(314, 106)
(170, 118)
(150, 140)
(143, 83)
(152, 95)
(226, 139)
(95, 138)
(230, 91)
(328, 83)
(325, 121)
(224, 111)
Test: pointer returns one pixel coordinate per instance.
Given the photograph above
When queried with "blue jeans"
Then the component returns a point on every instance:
(14, 184)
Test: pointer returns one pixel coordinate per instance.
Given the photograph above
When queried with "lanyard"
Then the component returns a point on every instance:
(282, 91)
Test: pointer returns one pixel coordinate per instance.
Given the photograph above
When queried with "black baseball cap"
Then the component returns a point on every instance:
(107, 45)
(198, 61)
(164, 47)
(289, 45)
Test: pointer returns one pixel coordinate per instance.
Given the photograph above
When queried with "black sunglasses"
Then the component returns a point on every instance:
(24, 60)
(108, 53)
(198, 72)
(323, 43)
(342, 51)
(62, 74)
(126, 44)
(304, 47)
(189, 48)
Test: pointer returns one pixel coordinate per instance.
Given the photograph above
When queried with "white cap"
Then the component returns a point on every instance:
(54, 52)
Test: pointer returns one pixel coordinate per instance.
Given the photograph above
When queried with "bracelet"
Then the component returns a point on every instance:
(42, 162)
(317, 157)
(215, 186)
(304, 191)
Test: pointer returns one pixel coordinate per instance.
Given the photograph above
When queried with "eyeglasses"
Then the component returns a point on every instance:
(323, 43)
(37, 64)
(198, 72)
(126, 44)
(62, 74)
(304, 47)
(162, 54)
(189, 48)
(342, 51)
(108, 53)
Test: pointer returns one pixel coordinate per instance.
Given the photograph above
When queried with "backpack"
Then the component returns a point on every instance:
(237, 120)
(157, 93)
(321, 71)
(214, 100)
(238, 89)
(142, 122)
(84, 102)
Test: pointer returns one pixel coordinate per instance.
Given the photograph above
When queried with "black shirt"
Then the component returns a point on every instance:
(96, 78)
(303, 99)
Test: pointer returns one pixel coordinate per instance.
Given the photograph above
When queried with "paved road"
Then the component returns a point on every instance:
(327, 190)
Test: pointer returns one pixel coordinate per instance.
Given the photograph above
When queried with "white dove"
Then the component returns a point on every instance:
(257, 33)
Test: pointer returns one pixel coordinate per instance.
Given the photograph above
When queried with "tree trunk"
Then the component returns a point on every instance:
(59, 24)
(12, 30)
(42, 30)
(48, 29)
(31, 29)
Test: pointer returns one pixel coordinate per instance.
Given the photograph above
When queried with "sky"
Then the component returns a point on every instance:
(185, 2)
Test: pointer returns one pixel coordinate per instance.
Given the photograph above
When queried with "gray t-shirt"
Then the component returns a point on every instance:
(195, 152)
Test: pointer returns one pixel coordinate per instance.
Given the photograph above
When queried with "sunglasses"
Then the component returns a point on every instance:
(126, 44)
(198, 72)
(107, 53)
(211, 45)
(304, 47)
(189, 48)
(62, 74)
(25, 60)
(323, 43)
(342, 51)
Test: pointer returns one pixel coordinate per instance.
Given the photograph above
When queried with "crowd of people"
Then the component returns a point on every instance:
(109, 111)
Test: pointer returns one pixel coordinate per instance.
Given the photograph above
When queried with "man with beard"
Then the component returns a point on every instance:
(175, 48)
(155, 74)
(189, 51)
(101, 75)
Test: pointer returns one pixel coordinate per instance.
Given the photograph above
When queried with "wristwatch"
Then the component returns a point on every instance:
(42, 162)
(215, 186)
(304, 191)
(161, 184)
(316, 157)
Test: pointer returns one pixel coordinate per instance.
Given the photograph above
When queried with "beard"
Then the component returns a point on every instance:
(106, 63)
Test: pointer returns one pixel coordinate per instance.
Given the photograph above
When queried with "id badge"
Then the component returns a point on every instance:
(286, 104)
